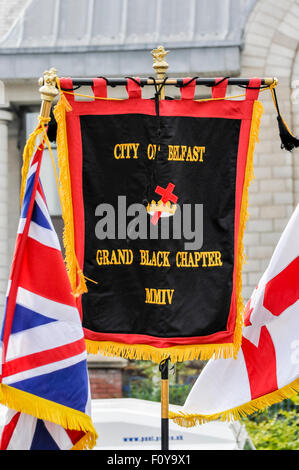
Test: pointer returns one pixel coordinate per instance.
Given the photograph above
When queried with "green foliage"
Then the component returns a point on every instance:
(276, 428)
(146, 369)
(143, 389)
(143, 380)
(178, 393)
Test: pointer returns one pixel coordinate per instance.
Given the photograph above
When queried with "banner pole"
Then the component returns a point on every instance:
(160, 66)
(164, 404)
(205, 81)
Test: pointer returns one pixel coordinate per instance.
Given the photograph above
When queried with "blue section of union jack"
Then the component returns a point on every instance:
(43, 347)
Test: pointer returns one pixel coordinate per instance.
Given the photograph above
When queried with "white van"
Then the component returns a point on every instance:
(129, 423)
(133, 424)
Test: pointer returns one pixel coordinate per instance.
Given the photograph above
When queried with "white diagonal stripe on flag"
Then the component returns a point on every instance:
(47, 307)
(40, 234)
(59, 435)
(43, 207)
(22, 440)
(42, 338)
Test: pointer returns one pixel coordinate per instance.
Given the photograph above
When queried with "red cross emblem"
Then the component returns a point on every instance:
(167, 195)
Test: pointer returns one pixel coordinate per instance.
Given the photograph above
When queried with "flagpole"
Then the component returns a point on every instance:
(160, 66)
(205, 81)
(163, 367)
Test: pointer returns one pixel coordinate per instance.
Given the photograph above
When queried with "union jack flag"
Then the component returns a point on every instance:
(44, 378)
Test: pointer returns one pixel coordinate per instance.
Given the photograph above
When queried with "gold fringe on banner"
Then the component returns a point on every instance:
(257, 112)
(151, 353)
(75, 273)
(259, 404)
(41, 408)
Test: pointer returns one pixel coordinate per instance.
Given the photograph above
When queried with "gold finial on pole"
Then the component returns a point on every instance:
(160, 65)
(48, 91)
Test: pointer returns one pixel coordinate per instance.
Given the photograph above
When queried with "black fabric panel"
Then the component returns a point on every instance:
(201, 299)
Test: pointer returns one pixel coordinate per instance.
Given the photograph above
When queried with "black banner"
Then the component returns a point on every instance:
(159, 205)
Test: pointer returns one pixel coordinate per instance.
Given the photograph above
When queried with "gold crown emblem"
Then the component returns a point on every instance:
(166, 209)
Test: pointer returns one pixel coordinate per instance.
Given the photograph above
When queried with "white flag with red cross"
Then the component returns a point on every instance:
(266, 369)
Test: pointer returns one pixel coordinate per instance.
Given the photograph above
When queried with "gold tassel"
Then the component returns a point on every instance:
(75, 274)
(29, 148)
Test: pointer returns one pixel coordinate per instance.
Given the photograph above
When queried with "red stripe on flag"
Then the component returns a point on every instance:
(74, 435)
(41, 193)
(260, 364)
(8, 431)
(43, 272)
(43, 358)
(40, 148)
(247, 313)
(283, 290)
